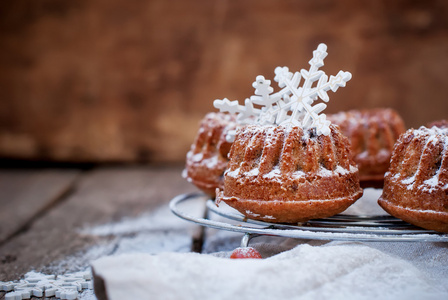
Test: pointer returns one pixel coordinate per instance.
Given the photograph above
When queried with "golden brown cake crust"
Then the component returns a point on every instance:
(428, 219)
(207, 159)
(287, 175)
(416, 185)
(372, 134)
(289, 211)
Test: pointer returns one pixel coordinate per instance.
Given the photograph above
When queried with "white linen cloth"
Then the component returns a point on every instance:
(340, 271)
(306, 270)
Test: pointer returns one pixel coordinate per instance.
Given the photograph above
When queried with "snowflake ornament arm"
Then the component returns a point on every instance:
(263, 90)
(302, 112)
(244, 112)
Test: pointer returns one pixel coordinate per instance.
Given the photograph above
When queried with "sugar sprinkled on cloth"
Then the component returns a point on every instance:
(343, 271)
(152, 232)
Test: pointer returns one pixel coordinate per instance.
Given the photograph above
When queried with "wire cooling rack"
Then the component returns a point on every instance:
(375, 228)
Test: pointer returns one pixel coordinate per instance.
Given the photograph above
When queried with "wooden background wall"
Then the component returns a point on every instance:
(119, 80)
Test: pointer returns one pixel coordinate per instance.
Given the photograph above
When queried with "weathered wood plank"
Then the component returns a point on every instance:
(101, 197)
(25, 194)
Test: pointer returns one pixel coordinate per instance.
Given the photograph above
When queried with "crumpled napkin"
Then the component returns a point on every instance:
(331, 271)
(293, 269)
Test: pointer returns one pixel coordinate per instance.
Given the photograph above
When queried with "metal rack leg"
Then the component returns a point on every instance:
(246, 239)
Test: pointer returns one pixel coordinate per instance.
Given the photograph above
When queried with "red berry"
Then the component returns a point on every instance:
(247, 252)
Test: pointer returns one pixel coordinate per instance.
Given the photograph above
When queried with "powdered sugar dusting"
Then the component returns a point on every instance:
(275, 172)
(252, 214)
(324, 172)
(433, 181)
(431, 131)
(160, 219)
(253, 172)
(232, 173)
(196, 157)
(409, 180)
(156, 232)
(209, 162)
(255, 215)
(298, 174)
(244, 250)
(336, 271)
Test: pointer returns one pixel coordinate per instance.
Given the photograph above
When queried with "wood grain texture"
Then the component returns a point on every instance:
(129, 81)
(26, 194)
(102, 196)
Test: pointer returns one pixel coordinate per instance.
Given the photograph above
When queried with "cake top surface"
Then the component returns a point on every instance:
(293, 104)
(309, 133)
(439, 123)
(433, 131)
(355, 116)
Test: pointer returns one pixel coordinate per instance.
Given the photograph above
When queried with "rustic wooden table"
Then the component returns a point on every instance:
(58, 220)
(43, 212)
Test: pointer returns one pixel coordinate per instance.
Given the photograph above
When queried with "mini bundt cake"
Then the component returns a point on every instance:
(416, 184)
(372, 134)
(288, 175)
(207, 159)
(439, 123)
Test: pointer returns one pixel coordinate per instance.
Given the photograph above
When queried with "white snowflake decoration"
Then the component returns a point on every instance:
(292, 105)
(39, 285)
